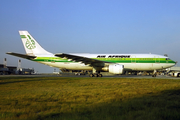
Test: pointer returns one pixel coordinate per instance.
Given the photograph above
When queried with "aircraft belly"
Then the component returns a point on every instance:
(146, 66)
(130, 66)
(66, 65)
(78, 66)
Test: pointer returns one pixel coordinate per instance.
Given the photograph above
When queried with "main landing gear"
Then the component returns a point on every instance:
(154, 73)
(95, 75)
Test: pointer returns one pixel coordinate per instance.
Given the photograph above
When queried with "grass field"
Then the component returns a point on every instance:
(89, 98)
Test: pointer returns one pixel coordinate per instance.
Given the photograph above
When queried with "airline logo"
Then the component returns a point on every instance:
(114, 56)
(30, 43)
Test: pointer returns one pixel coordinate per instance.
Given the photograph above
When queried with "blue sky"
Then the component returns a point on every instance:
(90, 26)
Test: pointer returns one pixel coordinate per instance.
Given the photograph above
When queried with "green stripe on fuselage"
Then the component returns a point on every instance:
(113, 60)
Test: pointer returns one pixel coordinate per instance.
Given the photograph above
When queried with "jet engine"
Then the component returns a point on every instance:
(114, 68)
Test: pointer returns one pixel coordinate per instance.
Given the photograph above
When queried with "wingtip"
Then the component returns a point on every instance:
(8, 52)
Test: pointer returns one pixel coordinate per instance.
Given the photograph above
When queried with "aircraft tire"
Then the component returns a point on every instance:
(153, 75)
(91, 75)
(96, 75)
(100, 75)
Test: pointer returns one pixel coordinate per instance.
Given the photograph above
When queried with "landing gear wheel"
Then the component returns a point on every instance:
(100, 75)
(153, 75)
(91, 75)
(96, 75)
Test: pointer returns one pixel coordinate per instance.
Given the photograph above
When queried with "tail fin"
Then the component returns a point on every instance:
(31, 45)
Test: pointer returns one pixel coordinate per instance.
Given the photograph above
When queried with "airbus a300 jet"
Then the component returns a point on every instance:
(112, 63)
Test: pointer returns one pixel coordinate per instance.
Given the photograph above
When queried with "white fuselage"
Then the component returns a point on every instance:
(133, 65)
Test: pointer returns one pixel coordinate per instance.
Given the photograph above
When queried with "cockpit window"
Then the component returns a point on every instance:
(167, 58)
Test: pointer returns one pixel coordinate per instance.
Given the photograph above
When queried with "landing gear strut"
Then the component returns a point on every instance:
(154, 73)
(95, 73)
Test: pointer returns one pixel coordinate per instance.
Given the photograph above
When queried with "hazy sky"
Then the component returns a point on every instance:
(90, 26)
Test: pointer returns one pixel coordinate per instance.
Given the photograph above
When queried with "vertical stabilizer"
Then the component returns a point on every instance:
(31, 45)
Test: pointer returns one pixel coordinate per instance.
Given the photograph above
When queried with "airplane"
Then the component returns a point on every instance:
(112, 63)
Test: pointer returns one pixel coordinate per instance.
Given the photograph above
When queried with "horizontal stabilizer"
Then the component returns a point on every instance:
(21, 55)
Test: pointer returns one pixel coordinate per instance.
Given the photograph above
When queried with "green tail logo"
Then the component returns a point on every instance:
(30, 44)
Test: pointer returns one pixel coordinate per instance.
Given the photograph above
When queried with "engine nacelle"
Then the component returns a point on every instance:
(114, 68)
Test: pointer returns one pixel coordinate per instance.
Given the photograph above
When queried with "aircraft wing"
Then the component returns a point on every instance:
(85, 60)
(21, 55)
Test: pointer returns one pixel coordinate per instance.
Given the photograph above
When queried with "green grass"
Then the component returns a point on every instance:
(89, 98)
